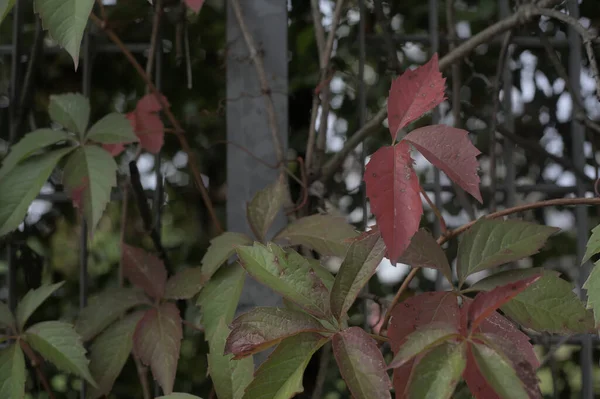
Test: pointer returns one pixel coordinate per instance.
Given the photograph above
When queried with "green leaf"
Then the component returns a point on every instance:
(288, 273)
(550, 305)
(109, 352)
(28, 145)
(20, 186)
(89, 176)
(5, 7)
(506, 277)
(220, 297)
(328, 235)
(32, 300)
(498, 372)
(280, 376)
(593, 245)
(221, 248)
(114, 128)
(325, 275)
(361, 364)
(65, 20)
(592, 285)
(157, 342)
(105, 308)
(264, 207)
(490, 243)
(70, 110)
(263, 327)
(185, 284)
(360, 263)
(438, 372)
(424, 251)
(230, 377)
(421, 340)
(6, 317)
(12, 372)
(58, 343)
(179, 395)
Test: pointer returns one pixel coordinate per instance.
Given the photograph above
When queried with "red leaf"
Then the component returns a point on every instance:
(76, 192)
(144, 270)
(114, 149)
(413, 93)
(393, 189)
(450, 150)
(485, 303)
(147, 124)
(415, 312)
(195, 5)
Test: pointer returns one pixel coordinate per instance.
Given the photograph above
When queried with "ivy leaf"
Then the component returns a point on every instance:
(593, 245)
(89, 176)
(485, 303)
(70, 110)
(325, 234)
(144, 270)
(361, 364)
(506, 277)
(550, 305)
(450, 150)
(32, 300)
(114, 128)
(185, 284)
(280, 376)
(264, 207)
(105, 308)
(179, 395)
(146, 123)
(20, 186)
(592, 285)
(58, 343)
(220, 249)
(424, 251)
(287, 273)
(220, 297)
(360, 263)
(109, 352)
(414, 93)
(194, 5)
(6, 317)
(263, 327)
(421, 340)
(393, 189)
(438, 372)
(490, 243)
(12, 372)
(230, 377)
(28, 145)
(157, 341)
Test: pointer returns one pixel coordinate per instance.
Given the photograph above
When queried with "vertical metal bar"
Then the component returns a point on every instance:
(581, 215)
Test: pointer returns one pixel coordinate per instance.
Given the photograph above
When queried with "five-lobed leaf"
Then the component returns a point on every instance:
(220, 249)
(20, 186)
(114, 128)
(414, 93)
(263, 327)
(424, 251)
(70, 110)
(157, 341)
(361, 364)
(32, 300)
(280, 376)
(264, 207)
(185, 284)
(450, 150)
(593, 245)
(326, 234)
(393, 190)
(360, 263)
(490, 243)
(144, 270)
(59, 343)
(12, 372)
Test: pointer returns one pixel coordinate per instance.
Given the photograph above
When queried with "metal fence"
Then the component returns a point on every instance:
(18, 53)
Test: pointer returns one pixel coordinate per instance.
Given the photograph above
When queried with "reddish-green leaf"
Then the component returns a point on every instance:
(358, 266)
(450, 150)
(414, 93)
(288, 273)
(393, 189)
(490, 243)
(264, 207)
(424, 251)
(263, 327)
(438, 372)
(506, 277)
(147, 124)
(157, 340)
(194, 5)
(220, 249)
(361, 364)
(185, 284)
(144, 270)
(280, 376)
(485, 303)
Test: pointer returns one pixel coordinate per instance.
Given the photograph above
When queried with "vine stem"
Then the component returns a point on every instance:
(36, 362)
(179, 132)
(453, 233)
